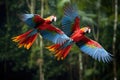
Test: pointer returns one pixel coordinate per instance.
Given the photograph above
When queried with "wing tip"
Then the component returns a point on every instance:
(106, 59)
(71, 10)
(24, 17)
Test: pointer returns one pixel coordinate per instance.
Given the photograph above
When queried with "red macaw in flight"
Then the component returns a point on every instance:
(42, 26)
(71, 27)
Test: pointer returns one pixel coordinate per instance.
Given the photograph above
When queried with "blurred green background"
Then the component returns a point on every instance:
(38, 63)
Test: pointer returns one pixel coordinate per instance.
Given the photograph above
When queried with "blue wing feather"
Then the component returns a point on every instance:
(25, 17)
(98, 53)
(70, 13)
(66, 25)
(29, 19)
(54, 37)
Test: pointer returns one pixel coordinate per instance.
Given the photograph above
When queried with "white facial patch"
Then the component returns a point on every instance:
(53, 18)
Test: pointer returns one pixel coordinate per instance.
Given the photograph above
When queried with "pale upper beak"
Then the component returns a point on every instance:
(55, 19)
(89, 30)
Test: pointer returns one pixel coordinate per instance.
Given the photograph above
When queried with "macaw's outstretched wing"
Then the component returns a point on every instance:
(54, 34)
(71, 20)
(94, 49)
(31, 20)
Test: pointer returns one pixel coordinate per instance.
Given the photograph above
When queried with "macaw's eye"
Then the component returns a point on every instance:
(53, 20)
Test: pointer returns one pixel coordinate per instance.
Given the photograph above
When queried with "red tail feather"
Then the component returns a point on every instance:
(25, 39)
(60, 52)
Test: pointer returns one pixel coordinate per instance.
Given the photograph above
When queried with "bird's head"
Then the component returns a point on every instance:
(51, 18)
(86, 29)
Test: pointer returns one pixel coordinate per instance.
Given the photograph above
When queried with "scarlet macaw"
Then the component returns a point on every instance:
(42, 25)
(71, 27)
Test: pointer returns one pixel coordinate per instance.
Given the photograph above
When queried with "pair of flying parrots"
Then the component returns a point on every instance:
(63, 40)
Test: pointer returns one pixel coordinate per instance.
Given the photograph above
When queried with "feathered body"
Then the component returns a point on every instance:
(71, 27)
(42, 26)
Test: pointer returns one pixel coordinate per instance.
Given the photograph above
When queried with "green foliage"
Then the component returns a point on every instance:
(90, 72)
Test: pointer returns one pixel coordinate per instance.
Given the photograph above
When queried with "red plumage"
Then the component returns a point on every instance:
(71, 26)
(40, 25)
(25, 39)
(59, 52)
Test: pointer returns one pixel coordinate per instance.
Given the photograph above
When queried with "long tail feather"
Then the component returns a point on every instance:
(59, 51)
(26, 39)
